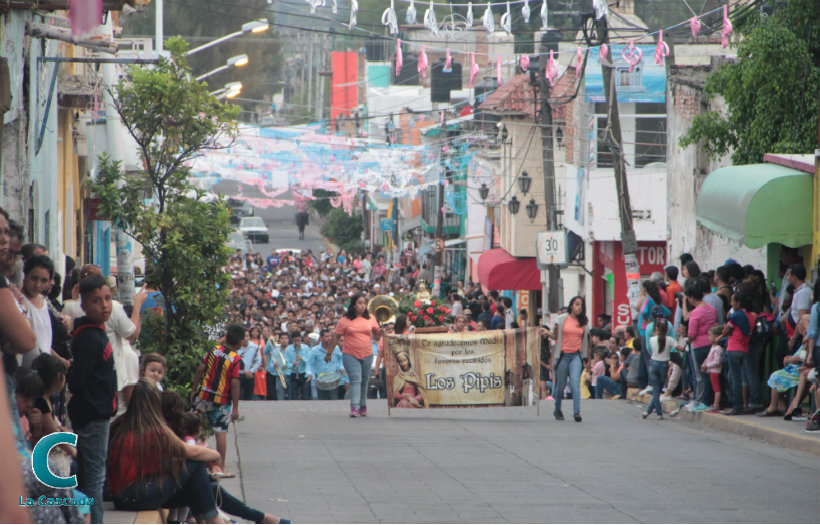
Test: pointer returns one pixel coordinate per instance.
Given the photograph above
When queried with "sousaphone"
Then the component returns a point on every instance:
(383, 308)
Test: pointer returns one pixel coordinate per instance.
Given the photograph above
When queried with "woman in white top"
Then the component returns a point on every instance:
(37, 273)
(661, 346)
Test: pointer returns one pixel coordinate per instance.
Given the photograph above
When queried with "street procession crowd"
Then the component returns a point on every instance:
(297, 327)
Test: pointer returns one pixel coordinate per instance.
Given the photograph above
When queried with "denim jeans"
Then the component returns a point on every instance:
(737, 362)
(358, 371)
(194, 490)
(643, 365)
(703, 388)
(314, 391)
(751, 372)
(92, 450)
(657, 377)
(281, 388)
(569, 365)
(606, 383)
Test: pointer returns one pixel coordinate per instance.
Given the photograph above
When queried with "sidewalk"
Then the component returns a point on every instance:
(124, 516)
(774, 430)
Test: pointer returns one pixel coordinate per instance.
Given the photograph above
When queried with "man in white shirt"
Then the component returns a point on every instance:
(801, 298)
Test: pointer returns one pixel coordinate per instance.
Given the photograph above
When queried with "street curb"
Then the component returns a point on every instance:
(151, 516)
(751, 429)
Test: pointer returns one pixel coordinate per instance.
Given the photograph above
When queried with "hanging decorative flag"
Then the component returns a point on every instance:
(525, 12)
(603, 52)
(474, 69)
(430, 21)
(498, 68)
(552, 69)
(632, 55)
(524, 63)
(354, 8)
(410, 16)
(448, 62)
(423, 63)
(389, 19)
(470, 15)
(694, 23)
(313, 5)
(84, 15)
(506, 21)
(662, 50)
(399, 57)
(488, 20)
(334, 7)
(601, 8)
(727, 27)
(578, 61)
(544, 16)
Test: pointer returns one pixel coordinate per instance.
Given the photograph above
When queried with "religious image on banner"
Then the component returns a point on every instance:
(458, 369)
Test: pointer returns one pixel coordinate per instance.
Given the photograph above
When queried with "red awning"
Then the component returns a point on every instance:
(498, 270)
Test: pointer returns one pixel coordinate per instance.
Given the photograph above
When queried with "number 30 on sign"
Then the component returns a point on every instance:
(551, 248)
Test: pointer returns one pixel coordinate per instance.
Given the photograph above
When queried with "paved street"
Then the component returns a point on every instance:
(280, 223)
(308, 461)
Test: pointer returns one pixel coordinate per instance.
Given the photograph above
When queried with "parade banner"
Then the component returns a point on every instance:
(460, 369)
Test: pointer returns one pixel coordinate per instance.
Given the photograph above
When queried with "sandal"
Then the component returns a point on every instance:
(221, 475)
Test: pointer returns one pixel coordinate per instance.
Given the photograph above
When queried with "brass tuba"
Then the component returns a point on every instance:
(383, 308)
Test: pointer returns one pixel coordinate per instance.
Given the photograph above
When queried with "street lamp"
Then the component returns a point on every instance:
(256, 26)
(483, 191)
(235, 61)
(532, 209)
(524, 182)
(514, 205)
(230, 90)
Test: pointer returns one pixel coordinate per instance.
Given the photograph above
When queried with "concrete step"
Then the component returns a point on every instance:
(112, 515)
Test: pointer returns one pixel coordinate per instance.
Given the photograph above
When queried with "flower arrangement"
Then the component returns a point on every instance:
(422, 313)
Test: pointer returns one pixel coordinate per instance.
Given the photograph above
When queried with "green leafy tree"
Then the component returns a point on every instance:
(172, 118)
(321, 201)
(770, 90)
(343, 230)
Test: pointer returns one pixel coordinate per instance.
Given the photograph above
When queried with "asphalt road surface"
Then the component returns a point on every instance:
(308, 461)
(280, 222)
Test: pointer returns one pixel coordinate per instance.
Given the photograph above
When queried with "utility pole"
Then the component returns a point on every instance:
(548, 168)
(613, 136)
(310, 76)
(439, 255)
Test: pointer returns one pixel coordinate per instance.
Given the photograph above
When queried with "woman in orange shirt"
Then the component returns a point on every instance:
(359, 329)
(571, 334)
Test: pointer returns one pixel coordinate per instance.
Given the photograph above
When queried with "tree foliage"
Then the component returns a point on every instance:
(770, 90)
(172, 118)
(321, 201)
(343, 230)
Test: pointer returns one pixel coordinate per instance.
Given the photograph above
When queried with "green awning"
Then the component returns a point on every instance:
(757, 204)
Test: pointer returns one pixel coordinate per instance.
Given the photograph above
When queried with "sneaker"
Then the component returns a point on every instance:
(666, 398)
(645, 415)
(354, 412)
(558, 415)
(732, 412)
(363, 412)
(660, 417)
(577, 417)
(647, 390)
(713, 408)
(700, 407)
(690, 406)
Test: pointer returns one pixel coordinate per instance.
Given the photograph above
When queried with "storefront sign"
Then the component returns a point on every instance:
(440, 370)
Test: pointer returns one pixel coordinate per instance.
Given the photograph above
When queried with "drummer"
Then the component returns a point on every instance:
(324, 363)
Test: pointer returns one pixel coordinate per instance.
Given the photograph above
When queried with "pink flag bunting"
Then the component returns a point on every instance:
(552, 69)
(423, 63)
(498, 68)
(662, 49)
(84, 15)
(474, 69)
(524, 63)
(695, 24)
(448, 62)
(579, 60)
(727, 27)
(632, 55)
(399, 58)
(603, 52)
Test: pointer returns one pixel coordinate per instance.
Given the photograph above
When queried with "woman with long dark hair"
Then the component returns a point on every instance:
(150, 467)
(360, 330)
(660, 345)
(571, 334)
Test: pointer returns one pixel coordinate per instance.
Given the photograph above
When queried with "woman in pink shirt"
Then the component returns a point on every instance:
(571, 334)
(701, 319)
(360, 330)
